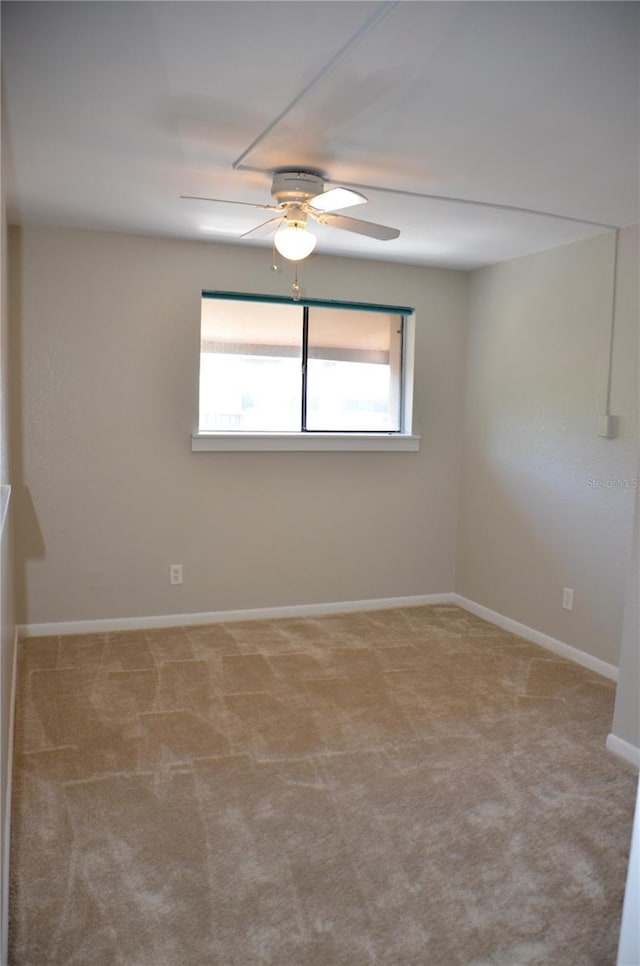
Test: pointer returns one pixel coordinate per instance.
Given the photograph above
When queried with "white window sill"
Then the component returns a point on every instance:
(305, 442)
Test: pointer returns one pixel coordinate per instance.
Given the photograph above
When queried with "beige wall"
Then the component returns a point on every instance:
(7, 609)
(109, 492)
(531, 519)
(626, 718)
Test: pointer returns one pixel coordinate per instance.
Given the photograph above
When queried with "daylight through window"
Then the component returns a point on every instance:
(270, 366)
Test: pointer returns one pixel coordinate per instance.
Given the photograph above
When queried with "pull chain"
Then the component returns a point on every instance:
(295, 288)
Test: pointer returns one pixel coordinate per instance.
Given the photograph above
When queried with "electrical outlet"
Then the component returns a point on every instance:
(175, 573)
(567, 598)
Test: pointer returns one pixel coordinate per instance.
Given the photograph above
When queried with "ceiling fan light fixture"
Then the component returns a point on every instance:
(294, 242)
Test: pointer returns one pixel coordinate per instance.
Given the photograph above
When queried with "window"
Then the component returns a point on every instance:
(271, 367)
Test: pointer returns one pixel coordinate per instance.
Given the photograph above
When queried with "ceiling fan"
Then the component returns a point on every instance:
(299, 196)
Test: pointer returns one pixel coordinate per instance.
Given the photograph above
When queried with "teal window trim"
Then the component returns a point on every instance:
(318, 303)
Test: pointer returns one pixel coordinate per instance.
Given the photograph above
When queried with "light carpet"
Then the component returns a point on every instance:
(411, 787)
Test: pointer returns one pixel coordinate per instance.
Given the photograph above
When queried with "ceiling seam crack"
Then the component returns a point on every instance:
(471, 201)
(350, 45)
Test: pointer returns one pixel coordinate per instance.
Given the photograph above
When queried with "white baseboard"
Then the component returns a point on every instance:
(6, 830)
(537, 637)
(318, 610)
(114, 624)
(624, 749)
(216, 617)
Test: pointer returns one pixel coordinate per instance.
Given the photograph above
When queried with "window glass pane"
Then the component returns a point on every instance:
(250, 359)
(353, 371)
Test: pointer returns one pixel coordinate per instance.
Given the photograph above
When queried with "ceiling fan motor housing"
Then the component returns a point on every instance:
(296, 187)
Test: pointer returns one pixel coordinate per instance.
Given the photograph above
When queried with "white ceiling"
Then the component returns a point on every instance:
(113, 110)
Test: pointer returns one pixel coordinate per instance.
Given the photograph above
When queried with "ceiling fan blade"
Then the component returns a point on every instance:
(260, 229)
(228, 201)
(336, 198)
(381, 232)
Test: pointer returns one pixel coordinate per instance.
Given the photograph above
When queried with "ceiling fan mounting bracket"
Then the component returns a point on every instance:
(296, 187)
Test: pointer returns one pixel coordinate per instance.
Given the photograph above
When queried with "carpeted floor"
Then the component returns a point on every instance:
(401, 788)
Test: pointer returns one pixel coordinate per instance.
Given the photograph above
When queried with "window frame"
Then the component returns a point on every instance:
(402, 440)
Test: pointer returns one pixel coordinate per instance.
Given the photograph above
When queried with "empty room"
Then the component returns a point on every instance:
(319, 483)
